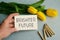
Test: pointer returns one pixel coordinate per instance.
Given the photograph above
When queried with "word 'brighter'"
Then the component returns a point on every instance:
(26, 19)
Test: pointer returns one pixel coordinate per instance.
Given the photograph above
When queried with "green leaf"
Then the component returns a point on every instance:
(37, 3)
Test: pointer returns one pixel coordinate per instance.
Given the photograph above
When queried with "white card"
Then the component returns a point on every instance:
(26, 22)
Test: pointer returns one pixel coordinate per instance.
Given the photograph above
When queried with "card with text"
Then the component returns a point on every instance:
(26, 22)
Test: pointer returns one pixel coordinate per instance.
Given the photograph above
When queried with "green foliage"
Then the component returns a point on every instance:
(12, 7)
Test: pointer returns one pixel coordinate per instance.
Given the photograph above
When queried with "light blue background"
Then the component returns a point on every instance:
(54, 23)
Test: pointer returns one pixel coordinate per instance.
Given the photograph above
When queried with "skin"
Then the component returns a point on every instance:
(7, 26)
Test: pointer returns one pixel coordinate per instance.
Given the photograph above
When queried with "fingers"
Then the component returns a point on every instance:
(12, 30)
(11, 17)
(11, 26)
(11, 21)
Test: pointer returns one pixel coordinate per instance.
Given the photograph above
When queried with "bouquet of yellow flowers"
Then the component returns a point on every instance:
(35, 9)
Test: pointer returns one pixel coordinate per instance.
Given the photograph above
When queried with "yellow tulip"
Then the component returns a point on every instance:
(51, 12)
(32, 10)
(41, 16)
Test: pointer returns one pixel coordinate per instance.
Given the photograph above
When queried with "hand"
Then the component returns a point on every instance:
(7, 27)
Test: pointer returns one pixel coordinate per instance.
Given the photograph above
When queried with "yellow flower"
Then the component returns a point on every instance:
(32, 10)
(41, 16)
(51, 12)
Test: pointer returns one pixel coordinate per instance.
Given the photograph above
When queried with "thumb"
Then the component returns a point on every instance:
(11, 17)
